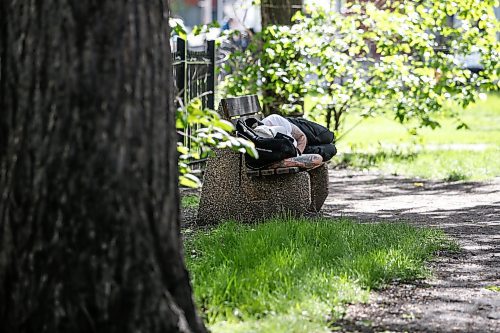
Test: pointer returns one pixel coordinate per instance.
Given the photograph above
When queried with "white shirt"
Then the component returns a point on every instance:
(276, 123)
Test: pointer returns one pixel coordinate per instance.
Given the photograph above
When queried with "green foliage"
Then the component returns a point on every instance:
(403, 58)
(177, 28)
(190, 201)
(288, 273)
(272, 63)
(205, 130)
(456, 175)
(494, 288)
(204, 28)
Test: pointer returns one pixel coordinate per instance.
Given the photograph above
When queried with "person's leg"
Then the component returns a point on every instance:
(327, 151)
(304, 161)
(325, 138)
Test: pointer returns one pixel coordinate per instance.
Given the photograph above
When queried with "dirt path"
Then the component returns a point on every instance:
(457, 298)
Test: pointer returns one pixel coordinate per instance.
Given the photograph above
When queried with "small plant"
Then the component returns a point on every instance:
(190, 201)
(494, 288)
(455, 176)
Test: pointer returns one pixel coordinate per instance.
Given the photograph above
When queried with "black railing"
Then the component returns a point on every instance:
(194, 73)
(194, 77)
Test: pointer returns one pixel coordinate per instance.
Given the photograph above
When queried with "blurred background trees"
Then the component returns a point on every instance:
(410, 58)
(348, 64)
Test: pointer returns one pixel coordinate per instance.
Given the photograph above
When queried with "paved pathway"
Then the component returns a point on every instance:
(457, 298)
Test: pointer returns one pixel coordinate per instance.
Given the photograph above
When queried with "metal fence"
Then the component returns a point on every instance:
(194, 73)
(194, 77)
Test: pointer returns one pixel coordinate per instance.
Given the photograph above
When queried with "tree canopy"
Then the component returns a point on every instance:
(406, 57)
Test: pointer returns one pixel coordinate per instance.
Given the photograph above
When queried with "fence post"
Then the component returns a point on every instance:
(211, 74)
(181, 79)
(181, 76)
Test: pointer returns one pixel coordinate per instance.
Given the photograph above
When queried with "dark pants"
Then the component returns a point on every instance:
(320, 140)
(327, 151)
(322, 145)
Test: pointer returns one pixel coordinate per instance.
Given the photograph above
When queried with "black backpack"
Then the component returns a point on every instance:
(270, 149)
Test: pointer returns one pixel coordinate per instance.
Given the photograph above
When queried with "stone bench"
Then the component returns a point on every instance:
(232, 192)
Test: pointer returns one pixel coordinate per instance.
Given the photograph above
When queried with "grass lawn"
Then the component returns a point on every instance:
(444, 153)
(297, 275)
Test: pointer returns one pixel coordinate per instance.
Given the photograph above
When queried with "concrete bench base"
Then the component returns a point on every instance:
(228, 193)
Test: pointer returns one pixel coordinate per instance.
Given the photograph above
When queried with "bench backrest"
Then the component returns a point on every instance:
(235, 108)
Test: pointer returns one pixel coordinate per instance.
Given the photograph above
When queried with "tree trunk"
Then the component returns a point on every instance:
(278, 12)
(89, 208)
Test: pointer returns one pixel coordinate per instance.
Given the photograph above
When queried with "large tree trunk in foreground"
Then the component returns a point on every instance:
(89, 217)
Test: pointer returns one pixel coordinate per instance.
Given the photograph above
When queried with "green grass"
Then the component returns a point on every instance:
(494, 288)
(449, 165)
(190, 201)
(444, 153)
(297, 275)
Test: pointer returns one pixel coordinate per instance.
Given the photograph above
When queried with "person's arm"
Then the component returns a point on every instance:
(301, 138)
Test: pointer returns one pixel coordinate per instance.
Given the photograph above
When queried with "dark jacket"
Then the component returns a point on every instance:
(316, 134)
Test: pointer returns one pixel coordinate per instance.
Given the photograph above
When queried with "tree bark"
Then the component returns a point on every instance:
(89, 208)
(278, 12)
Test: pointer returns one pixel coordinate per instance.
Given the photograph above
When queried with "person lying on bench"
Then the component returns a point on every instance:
(311, 138)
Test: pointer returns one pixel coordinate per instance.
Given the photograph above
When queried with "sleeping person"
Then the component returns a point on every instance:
(310, 137)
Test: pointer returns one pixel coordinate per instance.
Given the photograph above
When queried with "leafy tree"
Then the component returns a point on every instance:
(387, 55)
(274, 65)
(278, 14)
(89, 209)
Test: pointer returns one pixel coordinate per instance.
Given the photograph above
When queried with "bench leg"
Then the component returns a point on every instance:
(319, 187)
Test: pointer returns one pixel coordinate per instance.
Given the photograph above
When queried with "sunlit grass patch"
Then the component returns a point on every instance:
(494, 288)
(444, 153)
(448, 165)
(285, 275)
